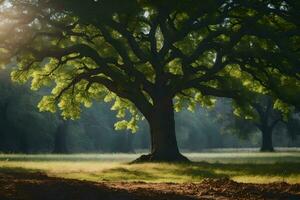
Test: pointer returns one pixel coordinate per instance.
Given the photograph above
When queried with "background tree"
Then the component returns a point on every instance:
(60, 137)
(22, 127)
(151, 57)
(263, 117)
(293, 126)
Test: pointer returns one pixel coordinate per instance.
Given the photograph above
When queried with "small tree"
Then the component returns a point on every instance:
(263, 117)
(60, 137)
(151, 57)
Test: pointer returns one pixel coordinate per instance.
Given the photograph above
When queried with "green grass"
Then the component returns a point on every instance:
(239, 166)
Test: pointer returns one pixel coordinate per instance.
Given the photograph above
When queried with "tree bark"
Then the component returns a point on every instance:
(267, 143)
(163, 138)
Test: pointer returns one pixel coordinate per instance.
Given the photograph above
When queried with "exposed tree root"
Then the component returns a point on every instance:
(178, 158)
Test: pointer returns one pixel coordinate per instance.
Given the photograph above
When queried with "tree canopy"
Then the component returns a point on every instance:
(150, 57)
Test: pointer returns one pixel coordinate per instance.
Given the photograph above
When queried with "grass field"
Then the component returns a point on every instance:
(239, 166)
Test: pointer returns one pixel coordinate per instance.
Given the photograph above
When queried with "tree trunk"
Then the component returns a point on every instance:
(24, 146)
(123, 143)
(60, 138)
(163, 138)
(267, 144)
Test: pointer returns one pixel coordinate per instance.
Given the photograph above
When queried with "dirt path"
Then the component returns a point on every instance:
(38, 186)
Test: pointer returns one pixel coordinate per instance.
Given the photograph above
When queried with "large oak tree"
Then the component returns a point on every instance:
(151, 57)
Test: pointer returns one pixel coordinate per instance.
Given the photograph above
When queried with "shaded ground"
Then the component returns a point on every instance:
(246, 167)
(36, 186)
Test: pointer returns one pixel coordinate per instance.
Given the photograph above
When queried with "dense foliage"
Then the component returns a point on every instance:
(150, 57)
(25, 130)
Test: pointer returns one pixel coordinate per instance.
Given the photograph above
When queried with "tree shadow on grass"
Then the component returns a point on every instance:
(10, 170)
(225, 170)
(182, 172)
(19, 183)
(127, 174)
(193, 171)
(163, 173)
(199, 171)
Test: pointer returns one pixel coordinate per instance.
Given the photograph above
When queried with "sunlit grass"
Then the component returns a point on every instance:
(241, 167)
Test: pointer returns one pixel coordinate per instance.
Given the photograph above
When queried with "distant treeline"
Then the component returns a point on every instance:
(24, 129)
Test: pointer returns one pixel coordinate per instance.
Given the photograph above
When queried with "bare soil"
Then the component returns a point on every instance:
(38, 186)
